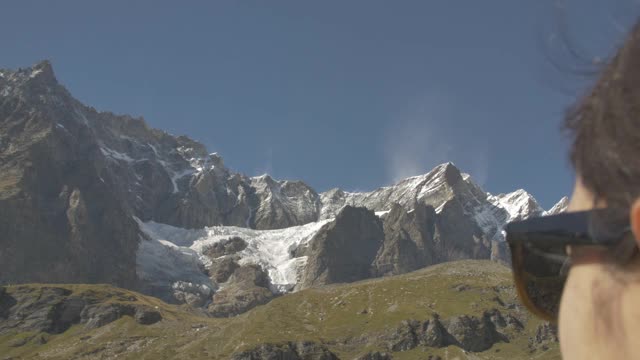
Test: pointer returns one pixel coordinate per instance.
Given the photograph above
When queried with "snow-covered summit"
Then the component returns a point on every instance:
(518, 204)
(561, 206)
(443, 185)
(433, 188)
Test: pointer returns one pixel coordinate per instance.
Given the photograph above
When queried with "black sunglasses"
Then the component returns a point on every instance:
(539, 252)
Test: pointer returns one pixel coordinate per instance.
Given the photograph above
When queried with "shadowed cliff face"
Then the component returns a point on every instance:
(409, 240)
(343, 251)
(60, 217)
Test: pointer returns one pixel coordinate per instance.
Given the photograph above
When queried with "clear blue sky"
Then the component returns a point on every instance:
(350, 94)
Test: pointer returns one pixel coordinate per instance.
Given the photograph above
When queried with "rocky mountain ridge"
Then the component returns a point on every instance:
(106, 198)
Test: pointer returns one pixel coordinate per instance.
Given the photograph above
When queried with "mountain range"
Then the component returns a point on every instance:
(93, 197)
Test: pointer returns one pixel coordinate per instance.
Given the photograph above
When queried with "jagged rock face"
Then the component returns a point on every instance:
(470, 333)
(58, 206)
(452, 194)
(435, 188)
(408, 240)
(290, 351)
(459, 237)
(283, 204)
(344, 250)
(173, 180)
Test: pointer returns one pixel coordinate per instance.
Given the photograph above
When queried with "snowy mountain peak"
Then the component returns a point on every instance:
(41, 72)
(561, 206)
(447, 170)
(518, 204)
(265, 181)
(42, 69)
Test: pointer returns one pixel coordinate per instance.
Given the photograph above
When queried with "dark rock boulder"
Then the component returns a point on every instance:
(43, 309)
(343, 250)
(225, 247)
(6, 302)
(67, 313)
(102, 314)
(146, 316)
(248, 287)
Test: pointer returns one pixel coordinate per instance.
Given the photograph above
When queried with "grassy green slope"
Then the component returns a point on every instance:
(350, 319)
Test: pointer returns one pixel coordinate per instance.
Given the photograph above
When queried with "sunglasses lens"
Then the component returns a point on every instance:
(542, 275)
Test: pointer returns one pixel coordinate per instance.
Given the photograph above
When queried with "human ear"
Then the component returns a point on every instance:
(634, 220)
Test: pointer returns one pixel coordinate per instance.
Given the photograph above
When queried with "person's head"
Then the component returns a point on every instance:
(600, 308)
(582, 268)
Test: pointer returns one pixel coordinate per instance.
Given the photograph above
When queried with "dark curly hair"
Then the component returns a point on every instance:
(605, 129)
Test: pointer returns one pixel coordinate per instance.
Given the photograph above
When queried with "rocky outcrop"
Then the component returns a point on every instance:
(222, 269)
(473, 333)
(333, 316)
(546, 335)
(470, 333)
(289, 351)
(343, 250)
(248, 287)
(54, 310)
(195, 295)
(225, 247)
